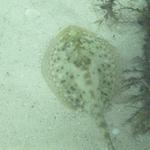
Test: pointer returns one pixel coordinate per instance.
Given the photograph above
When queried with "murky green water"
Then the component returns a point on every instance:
(56, 55)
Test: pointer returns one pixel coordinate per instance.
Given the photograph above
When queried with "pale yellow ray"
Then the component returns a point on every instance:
(83, 72)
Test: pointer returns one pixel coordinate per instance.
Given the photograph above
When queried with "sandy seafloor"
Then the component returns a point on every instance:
(31, 118)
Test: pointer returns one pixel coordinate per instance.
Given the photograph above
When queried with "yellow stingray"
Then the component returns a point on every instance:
(83, 72)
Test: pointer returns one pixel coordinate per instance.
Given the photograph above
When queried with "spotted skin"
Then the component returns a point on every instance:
(82, 70)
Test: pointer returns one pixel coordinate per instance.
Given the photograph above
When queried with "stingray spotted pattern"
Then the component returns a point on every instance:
(82, 71)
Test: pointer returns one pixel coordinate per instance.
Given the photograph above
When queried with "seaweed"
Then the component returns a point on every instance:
(138, 76)
(108, 7)
(114, 10)
(140, 119)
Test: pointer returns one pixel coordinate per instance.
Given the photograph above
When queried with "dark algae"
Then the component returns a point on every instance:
(140, 120)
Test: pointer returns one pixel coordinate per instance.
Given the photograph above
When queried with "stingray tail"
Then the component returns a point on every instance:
(104, 131)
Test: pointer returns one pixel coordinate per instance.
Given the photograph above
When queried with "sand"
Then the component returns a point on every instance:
(31, 118)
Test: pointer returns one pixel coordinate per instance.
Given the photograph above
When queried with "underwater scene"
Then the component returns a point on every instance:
(75, 75)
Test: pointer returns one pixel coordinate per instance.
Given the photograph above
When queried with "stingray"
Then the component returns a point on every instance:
(82, 70)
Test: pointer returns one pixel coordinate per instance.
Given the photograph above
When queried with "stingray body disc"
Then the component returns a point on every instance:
(81, 68)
